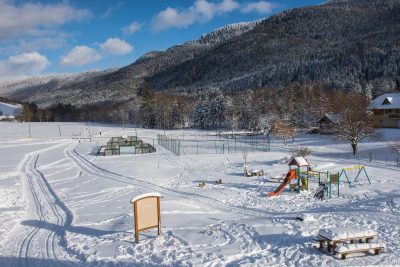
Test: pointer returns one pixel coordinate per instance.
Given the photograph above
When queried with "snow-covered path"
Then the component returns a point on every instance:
(41, 233)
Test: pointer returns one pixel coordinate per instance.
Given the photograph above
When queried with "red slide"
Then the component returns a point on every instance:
(292, 174)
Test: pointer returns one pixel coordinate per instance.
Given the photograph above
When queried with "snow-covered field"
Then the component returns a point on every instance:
(63, 206)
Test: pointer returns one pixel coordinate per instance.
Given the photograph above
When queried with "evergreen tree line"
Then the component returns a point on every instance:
(297, 106)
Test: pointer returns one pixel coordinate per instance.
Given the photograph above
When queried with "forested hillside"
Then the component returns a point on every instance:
(347, 45)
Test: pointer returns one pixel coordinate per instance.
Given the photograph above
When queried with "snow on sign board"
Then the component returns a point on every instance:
(146, 208)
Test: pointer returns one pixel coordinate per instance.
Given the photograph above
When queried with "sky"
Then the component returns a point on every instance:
(70, 36)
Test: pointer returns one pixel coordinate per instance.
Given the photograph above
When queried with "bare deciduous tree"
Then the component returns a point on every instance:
(355, 121)
(285, 131)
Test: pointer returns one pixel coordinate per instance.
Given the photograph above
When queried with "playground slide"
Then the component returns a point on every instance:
(292, 174)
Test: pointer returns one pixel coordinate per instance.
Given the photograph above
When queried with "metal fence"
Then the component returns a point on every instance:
(237, 143)
(173, 145)
(213, 144)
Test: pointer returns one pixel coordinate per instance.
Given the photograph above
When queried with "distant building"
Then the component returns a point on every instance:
(10, 110)
(386, 109)
(328, 123)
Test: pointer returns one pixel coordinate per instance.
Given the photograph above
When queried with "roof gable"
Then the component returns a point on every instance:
(387, 101)
(298, 161)
(334, 118)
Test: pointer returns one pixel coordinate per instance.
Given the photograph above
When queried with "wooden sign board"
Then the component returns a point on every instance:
(146, 209)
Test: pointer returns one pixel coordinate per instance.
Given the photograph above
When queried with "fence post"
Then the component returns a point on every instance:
(235, 144)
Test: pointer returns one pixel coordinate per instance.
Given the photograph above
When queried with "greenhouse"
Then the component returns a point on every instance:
(126, 146)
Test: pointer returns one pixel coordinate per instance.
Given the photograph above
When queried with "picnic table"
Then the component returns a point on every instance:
(346, 240)
(254, 173)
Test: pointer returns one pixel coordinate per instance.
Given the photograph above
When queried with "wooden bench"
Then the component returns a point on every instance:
(254, 173)
(347, 249)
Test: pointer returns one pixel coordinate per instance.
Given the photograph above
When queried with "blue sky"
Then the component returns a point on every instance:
(46, 37)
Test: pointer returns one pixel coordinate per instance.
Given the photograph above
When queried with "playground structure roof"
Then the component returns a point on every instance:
(298, 161)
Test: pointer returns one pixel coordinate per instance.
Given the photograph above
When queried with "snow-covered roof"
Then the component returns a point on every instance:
(335, 118)
(10, 105)
(299, 161)
(153, 194)
(386, 101)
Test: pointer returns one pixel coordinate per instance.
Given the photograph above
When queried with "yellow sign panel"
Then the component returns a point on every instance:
(147, 211)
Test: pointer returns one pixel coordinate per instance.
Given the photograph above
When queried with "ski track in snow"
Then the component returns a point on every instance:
(41, 234)
(216, 203)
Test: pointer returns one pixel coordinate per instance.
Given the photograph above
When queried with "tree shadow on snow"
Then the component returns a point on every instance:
(75, 229)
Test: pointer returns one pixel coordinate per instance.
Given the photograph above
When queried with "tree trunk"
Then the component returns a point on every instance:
(354, 146)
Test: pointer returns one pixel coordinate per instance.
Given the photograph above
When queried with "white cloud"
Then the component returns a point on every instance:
(23, 65)
(261, 7)
(80, 55)
(200, 12)
(116, 46)
(111, 10)
(35, 19)
(132, 28)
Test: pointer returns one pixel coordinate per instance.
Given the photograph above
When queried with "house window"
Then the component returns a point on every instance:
(387, 101)
(1, 113)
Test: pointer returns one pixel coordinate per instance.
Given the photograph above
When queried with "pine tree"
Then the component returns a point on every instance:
(147, 108)
(175, 116)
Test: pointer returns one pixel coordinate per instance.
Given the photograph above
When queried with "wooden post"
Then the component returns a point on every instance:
(136, 222)
(330, 186)
(159, 215)
(298, 178)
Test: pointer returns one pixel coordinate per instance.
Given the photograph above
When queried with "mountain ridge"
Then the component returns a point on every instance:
(344, 44)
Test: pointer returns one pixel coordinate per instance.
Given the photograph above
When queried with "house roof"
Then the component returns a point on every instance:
(10, 105)
(335, 118)
(386, 101)
(298, 161)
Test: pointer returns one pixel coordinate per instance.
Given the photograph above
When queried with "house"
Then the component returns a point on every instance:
(10, 110)
(328, 122)
(386, 110)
